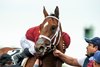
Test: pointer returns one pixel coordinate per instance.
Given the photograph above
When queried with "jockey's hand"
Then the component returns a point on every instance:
(57, 53)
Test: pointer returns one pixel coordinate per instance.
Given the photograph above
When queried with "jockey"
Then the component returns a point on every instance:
(30, 39)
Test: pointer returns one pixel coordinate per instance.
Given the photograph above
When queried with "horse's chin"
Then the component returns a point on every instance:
(39, 54)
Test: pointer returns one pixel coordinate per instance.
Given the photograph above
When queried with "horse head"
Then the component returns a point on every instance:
(50, 33)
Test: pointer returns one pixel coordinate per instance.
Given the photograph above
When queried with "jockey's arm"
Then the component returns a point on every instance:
(25, 43)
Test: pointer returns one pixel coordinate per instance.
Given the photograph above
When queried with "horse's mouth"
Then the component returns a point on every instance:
(39, 54)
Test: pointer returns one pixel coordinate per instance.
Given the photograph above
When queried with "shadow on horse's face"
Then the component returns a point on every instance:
(49, 32)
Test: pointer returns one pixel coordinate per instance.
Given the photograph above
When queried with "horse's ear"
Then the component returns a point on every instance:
(57, 12)
(45, 12)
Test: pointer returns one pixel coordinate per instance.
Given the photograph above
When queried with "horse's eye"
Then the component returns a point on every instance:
(47, 43)
(53, 28)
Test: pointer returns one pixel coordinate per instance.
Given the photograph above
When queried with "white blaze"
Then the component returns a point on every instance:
(45, 24)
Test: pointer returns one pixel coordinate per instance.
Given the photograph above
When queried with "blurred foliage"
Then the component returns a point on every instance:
(89, 32)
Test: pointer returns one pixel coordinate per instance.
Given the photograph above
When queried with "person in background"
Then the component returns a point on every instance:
(96, 62)
(93, 46)
(6, 61)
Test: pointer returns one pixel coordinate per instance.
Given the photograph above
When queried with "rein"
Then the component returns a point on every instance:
(54, 37)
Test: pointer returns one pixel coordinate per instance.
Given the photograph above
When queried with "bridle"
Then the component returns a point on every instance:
(53, 40)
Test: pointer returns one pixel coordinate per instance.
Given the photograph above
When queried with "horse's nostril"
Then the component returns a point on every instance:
(36, 49)
(41, 49)
(48, 48)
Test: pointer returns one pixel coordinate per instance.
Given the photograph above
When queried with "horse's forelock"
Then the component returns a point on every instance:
(54, 15)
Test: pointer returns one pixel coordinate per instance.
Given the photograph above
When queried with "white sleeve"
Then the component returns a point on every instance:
(25, 43)
(81, 60)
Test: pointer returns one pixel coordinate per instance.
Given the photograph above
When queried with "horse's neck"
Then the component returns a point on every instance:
(60, 45)
(30, 62)
(51, 61)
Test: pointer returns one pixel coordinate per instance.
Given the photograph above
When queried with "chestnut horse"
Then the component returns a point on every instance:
(50, 39)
